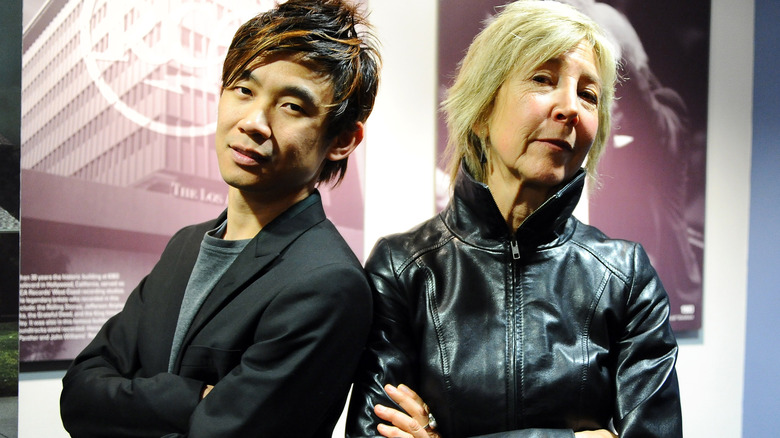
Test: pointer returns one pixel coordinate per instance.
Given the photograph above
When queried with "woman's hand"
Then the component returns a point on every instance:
(601, 433)
(414, 423)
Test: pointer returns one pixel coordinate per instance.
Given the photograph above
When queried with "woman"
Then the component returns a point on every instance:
(504, 313)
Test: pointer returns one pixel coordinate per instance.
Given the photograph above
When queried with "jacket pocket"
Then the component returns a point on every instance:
(208, 364)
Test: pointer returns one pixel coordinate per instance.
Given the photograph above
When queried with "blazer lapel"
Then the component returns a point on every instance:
(259, 253)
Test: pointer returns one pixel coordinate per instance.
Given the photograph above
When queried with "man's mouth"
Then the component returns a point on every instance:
(246, 156)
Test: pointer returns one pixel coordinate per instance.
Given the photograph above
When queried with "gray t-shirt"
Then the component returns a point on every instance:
(215, 257)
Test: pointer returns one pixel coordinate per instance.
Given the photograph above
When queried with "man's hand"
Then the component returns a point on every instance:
(206, 390)
(601, 433)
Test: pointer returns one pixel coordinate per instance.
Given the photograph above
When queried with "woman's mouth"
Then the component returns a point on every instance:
(561, 144)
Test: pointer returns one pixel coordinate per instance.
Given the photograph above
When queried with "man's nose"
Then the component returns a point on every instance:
(255, 122)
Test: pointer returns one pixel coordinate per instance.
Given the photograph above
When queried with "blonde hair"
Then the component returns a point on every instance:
(521, 37)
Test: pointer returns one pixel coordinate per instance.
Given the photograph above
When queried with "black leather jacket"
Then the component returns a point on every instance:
(554, 329)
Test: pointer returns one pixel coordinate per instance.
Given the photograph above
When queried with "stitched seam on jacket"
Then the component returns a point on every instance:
(611, 267)
(584, 336)
(430, 292)
(413, 257)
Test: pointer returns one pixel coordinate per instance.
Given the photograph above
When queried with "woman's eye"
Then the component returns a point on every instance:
(590, 97)
(541, 79)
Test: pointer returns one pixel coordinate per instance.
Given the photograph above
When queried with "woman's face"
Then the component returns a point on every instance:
(542, 125)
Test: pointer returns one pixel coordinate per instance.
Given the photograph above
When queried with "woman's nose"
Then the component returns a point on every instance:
(566, 110)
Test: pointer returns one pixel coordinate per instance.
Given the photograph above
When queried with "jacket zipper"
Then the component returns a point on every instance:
(514, 332)
(515, 249)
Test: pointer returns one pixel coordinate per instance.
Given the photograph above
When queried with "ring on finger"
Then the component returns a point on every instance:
(431, 423)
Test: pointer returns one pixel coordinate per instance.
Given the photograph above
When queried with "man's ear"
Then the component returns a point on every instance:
(345, 143)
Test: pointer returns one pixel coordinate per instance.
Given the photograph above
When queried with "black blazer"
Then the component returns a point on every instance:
(279, 337)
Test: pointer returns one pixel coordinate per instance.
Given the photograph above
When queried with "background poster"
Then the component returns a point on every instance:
(652, 173)
(118, 112)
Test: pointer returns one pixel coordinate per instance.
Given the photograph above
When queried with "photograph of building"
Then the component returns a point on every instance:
(117, 150)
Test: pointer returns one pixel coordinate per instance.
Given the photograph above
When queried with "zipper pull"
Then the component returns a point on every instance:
(515, 249)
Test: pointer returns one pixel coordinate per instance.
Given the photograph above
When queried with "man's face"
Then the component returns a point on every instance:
(271, 126)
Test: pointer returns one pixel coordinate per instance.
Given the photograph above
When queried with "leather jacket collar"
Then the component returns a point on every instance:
(474, 216)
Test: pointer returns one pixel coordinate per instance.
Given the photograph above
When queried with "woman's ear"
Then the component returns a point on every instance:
(481, 127)
(345, 143)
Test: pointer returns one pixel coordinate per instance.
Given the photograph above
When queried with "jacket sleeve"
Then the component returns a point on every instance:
(390, 355)
(108, 391)
(104, 396)
(295, 378)
(648, 397)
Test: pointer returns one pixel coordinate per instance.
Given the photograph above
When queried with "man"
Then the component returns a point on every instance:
(251, 325)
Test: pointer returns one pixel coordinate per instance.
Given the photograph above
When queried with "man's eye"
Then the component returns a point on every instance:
(243, 91)
(294, 107)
